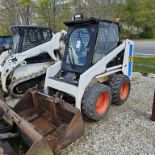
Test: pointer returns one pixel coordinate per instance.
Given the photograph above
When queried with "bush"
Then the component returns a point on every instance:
(131, 31)
(147, 32)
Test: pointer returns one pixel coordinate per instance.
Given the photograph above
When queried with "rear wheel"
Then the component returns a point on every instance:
(96, 101)
(120, 86)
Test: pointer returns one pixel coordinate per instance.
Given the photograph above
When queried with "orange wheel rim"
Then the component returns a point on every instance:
(124, 91)
(102, 103)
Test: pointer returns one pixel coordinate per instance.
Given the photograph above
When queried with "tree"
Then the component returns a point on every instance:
(138, 14)
(14, 12)
(52, 13)
(141, 14)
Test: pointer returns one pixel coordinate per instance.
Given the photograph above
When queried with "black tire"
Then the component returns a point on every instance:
(117, 83)
(91, 99)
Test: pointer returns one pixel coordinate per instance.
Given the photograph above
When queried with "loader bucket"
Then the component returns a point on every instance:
(56, 122)
(40, 147)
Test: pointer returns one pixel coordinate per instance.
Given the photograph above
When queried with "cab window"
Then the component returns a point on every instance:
(77, 47)
(107, 40)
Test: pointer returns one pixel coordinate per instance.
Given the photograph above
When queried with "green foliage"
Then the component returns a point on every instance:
(130, 14)
(14, 12)
(145, 61)
(147, 32)
(4, 31)
(141, 14)
(143, 69)
(136, 15)
(130, 31)
(49, 13)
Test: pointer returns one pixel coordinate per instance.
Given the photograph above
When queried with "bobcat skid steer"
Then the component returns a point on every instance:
(94, 72)
(24, 66)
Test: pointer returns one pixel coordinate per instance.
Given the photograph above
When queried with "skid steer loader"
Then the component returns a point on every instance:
(94, 72)
(24, 66)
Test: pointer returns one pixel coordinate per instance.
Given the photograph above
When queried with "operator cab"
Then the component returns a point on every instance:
(27, 37)
(88, 41)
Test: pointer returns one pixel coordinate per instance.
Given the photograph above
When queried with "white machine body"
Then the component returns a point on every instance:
(97, 72)
(16, 67)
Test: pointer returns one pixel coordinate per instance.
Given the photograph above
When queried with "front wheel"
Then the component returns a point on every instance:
(96, 101)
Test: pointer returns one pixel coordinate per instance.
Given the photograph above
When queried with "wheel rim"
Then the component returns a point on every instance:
(102, 103)
(124, 91)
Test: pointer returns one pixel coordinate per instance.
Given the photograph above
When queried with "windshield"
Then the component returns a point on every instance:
(77, 47)
(16, 39)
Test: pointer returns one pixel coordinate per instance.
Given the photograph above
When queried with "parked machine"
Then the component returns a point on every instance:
(96, 68)
(24, 66)
(94, 72)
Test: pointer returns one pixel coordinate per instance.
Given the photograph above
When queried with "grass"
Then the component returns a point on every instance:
(143, 69)
(145, 61)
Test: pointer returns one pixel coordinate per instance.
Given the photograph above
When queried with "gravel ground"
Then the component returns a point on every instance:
(126, 130)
